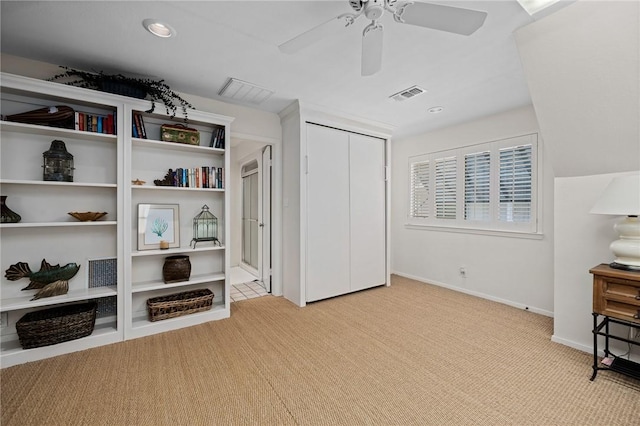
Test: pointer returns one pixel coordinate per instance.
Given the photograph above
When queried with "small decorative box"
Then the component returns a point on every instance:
(180, 134)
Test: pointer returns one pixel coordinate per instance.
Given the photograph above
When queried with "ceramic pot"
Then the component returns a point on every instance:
(8, 215)
(176, 268)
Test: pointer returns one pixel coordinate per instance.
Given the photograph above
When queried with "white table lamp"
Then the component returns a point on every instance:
(622, 198)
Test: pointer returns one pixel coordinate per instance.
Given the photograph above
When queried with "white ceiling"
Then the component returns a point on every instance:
(470, 76)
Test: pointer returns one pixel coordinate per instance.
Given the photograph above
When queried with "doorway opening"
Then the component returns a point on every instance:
(251, 277)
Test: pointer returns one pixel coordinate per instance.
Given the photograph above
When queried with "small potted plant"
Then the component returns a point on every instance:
(141, 88)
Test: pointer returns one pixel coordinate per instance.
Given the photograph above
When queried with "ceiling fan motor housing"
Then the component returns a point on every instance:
(373, 9)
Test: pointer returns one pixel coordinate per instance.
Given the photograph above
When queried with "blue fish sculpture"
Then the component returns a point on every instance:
(49, 280)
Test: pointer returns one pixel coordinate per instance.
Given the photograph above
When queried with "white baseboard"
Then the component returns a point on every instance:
(575, 345)
(477, 294)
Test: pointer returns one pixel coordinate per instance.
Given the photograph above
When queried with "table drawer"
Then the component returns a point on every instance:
(623, 311)
(621, 290)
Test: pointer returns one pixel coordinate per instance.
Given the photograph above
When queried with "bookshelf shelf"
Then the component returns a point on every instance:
(57, 224)
(57, 184)
(173, 146)
(32, 129)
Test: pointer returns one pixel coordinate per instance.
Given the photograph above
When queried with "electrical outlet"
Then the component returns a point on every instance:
(4, 319)
(463, 272)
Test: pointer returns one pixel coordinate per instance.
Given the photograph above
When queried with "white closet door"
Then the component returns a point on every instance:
(327, 272)
(367, 187)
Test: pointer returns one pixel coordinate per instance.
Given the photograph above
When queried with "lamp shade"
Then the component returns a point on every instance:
(621, 197)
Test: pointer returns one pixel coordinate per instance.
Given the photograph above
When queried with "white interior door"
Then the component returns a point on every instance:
(250, 218)
(265, 227)
(327, 210)
(368, 225)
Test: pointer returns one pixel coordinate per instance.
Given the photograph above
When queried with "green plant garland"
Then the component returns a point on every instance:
(141, 88)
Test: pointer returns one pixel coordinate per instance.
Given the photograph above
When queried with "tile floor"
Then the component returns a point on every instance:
(247, 290)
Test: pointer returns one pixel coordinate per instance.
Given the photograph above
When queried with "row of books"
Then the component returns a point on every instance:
(199, 177)
(138, 130)
(96, 123)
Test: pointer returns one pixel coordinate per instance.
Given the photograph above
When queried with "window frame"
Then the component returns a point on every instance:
(494, 225)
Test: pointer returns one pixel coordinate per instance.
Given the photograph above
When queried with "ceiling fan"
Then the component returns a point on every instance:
(444, 18)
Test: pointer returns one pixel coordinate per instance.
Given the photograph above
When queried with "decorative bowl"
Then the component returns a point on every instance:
(87, 216)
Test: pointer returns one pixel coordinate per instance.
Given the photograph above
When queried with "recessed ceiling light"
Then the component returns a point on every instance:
(158, 28)
(435, 110)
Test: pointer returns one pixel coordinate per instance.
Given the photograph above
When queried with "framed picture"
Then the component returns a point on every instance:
(156, 223)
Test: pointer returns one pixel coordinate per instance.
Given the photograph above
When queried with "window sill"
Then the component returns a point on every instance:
(489, 232)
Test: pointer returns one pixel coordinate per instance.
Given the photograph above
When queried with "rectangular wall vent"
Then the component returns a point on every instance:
(408, 93)
(245, 92)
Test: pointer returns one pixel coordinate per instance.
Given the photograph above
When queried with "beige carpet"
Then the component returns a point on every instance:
(409, 354)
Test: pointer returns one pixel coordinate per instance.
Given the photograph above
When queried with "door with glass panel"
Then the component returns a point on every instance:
(250, 218)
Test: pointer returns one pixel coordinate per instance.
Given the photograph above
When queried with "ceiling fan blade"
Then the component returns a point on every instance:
(443, 18)
(371, 49)
(313, 35)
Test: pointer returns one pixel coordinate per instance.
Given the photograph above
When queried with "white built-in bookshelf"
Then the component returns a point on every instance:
(113, 271)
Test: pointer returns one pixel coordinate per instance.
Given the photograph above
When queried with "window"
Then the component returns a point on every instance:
(490, 186)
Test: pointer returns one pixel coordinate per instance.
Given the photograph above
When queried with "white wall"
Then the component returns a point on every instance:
(582, 66)
(516, 271)
(582, 242)
(291, 256)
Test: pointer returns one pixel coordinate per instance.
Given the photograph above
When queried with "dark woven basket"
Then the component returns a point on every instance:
(175, 305)
(120, 88)
(56, 325)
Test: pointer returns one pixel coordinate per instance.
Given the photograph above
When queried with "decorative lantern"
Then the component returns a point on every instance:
(58, 163)
(205, 227)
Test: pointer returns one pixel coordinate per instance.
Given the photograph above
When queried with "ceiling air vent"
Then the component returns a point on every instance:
(408, 93)
(245, 92)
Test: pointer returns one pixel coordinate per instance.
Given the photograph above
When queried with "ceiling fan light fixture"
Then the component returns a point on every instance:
(427, 15)
(158, 29)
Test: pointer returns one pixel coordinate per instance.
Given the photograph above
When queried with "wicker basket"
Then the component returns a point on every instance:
(175, 305)
(56, 325)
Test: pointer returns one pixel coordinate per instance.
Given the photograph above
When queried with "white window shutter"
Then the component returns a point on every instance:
(445, 188)
(419, 197)
(477, 189)
(516, 184)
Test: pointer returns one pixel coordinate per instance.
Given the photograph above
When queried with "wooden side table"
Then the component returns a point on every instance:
(616, 297)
